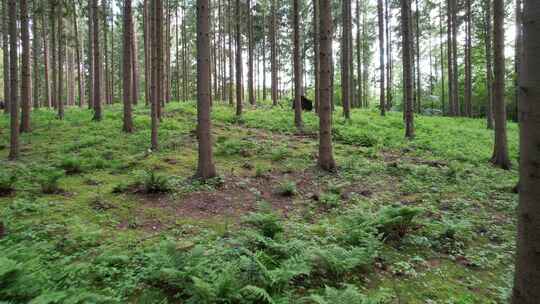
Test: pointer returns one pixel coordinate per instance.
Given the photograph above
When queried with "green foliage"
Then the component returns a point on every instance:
(396, 222)
(49, 180)
(7, 182)
(333, 262)
(349, 295)
(287, 188)
(268, 223)
(154, 182)
(71, 165)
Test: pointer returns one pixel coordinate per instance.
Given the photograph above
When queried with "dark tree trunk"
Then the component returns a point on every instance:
(61, 55)
(238, 60)
(500, 149)
(134, 56)
(157, 66)
(517, 56)
(205, 164)
(407, 67)
(345, 61)
(359, 42)
(14, 90)
(80, 82)
(147, 51)
(527, 273)
(316, 63)
(273, 55)
(26, 96)
(90, 55)
(489, 66)
(441, 36)
(128, 68)
(6, 54)
(468, 68)
(97, 62)
(251, 92)
(35, 62)
(382, 102)
(326, 155)
(296, 66)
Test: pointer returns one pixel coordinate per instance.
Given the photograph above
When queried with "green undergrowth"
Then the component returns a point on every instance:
(402, 221)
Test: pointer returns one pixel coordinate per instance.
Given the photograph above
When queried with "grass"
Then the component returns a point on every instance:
(401, 222)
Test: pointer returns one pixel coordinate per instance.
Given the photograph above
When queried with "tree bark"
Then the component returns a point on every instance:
(389, 78)
(407, 67)
(382, 102)
(451, 109)
(80, 82)
(14, 90)
(359, 54)
(251, 91)
(527, 273)
(517, 56)
(273, 54)
(6, 55)
(296, 65)
(134, 56)
(156, 37)
(61, 55)
(26, 96)
(205, 164)
(97, 62)
(500, 149)
(316, 62)
(147, 51)
(90, 55)
(345, 53)
(468, 69)
(441, 38)
(326, 155)
(128, 68)
(418, 85)
(238, 60)
(36, 83)
(489, 66)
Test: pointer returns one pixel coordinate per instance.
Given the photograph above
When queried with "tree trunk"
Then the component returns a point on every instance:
(407, 67)
(238, 60)
(345, 67)
(26, 96)
(128, 68)
(90, 55)
(273, 54)
(389, 78)
(54, 56)
(78, 50)
(441, 37)
(455, 94)
(382, 102)
(527, 273)
(97, 62)
(251, 92)
(500, 149)
(134, 56)
(326, 155)
(418, 51)
(6, 55)
(451, 109)
(14, 95)
(205, 164)
(147, 51)
(468, 70)
(296, 66)
(316, 63)
(517, 56)
(359, 54)
(61, 55)
(157, 66)
(35, 61)
(489, 67)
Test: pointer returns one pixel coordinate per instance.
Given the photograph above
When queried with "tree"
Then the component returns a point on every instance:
(205, 167)
(13, 88)
(527, 275)
(517, 55)
(5, 52)
(489, 64)
(60, 69)
(251, 92)
(345, 58)
(326, 155)
(238, 60)
(296, 64)
(96, 99)
(382, 103)
(316, 63)
(26, 96)
(500, 149)
(468, 62)
(128, 68)
(90, 55)
(157, 66)
(407, 66)
(273, 54)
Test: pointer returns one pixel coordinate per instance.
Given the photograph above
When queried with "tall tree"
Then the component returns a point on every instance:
(238, 34)
(389, 68)
(500, 149)
(316, 63)
(26, 95)
(468, 61)
(90, 55)
(296, 65)
(96, 99)
(134, 55)
(326, 154)
(345, 58)
(441, 40)
(205, 164)
(527, 274)
(451, 109)
(382, 103)
(147, 51)
(273, 54)
(36, 81)
(359, 43)
(251, 92)
(407, 67)
(13, 89)
(517, 55)
(455, 95)
(128, 68)
(5, 52)
(489, 64)
(157, 66)
(61, 55)
(46, 61)
(80, 82)
(418, 85)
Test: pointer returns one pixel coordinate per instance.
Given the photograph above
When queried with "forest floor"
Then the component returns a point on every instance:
(94, 217)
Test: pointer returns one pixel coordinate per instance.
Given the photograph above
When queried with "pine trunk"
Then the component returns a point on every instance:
(14, 95)
(127, 67)
(407, 67)
(489, 66)
(97, 62)
(345, 67)
(382, 102)
(26, 95)
(238, 60)
(296, 66)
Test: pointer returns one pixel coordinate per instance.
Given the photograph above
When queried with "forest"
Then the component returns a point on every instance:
(270, 151)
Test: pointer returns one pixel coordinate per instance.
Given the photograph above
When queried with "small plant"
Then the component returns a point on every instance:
(396, 222)
(71, 165)
(261, 170)
(155, 183)
(48, 180)
(329, 200)
(280, 153)
(7, 182)
(267, 222)
(287, 188)
(349, 295)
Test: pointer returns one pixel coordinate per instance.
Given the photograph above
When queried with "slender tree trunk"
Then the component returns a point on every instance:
(455, 95)
(54, 56)
(468, 70)
(35, 61)
(78, 54)
(517, 56)
(389, 80)
(157, 66)
(441, 39)
(489, 67)
(326, 155)
(231, 65)
(90, 55)
(273, 55)
(6, 55)
(238, 60)
(359, 46)
(527, 273)
(26, 96)
(407, 67)
(134, 56)
(451, 109)
(500, 149)
(296, 65)
(316, 63)
(345, 67)
(382, 102)
(167, 54)
(14, 90)
(263, 50)
(418, 51)
(205, 167)
(105, 71)
(250, 55)
(177, 51)
(128, 68)
(97, 62)
(147, 51)
(61, 55)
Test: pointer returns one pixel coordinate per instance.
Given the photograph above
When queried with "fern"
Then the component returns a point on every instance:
(258, 294)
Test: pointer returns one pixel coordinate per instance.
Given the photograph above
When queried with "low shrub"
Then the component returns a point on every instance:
(7, 182)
